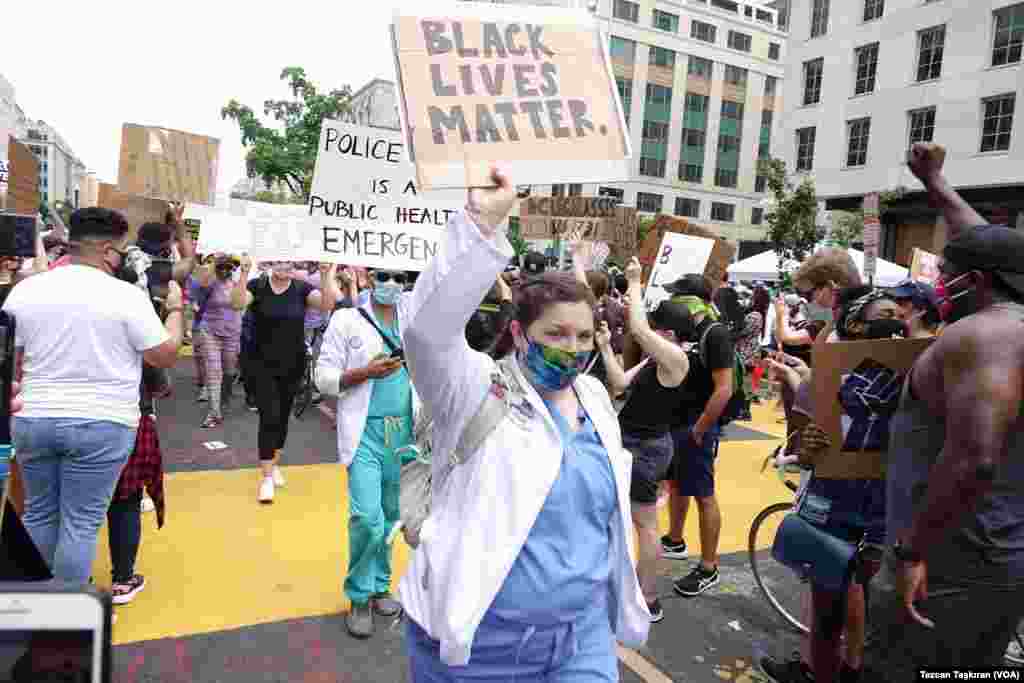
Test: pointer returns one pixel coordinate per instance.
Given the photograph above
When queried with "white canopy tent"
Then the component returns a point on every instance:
(765, 267)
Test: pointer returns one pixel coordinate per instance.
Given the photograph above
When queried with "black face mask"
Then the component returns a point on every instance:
(123, 271)
(885, 329)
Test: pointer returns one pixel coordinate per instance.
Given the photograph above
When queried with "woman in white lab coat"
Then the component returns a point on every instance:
(524, 570)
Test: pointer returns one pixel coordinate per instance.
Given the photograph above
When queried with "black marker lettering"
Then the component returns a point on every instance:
(455, 119)
(578, 111)
(440, 88)
(486, 130)
(460, 44)
(549, 72)
(521, 72)
(507, 111)
(510, 31)
(433, 36)
(492, 42)
(536, 46)
(534, 109)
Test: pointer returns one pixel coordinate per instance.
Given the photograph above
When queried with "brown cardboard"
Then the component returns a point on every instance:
(595, 219)
(136, 210)
(830, 362)
(168, 164)
(23, 183)
(924, 267)
(721, 254)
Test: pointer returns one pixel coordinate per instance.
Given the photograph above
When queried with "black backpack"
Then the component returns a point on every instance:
(738, 402)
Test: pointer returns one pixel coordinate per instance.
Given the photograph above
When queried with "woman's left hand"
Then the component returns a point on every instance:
(488, 207)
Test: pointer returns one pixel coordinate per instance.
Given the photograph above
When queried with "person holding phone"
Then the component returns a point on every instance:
(277, 352)
(362, 363)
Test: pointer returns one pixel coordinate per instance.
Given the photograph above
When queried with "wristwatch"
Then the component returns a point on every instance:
(905, 554)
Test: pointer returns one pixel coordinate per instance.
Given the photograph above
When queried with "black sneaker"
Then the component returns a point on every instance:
(696, 582)
(672, 550)
(657, 613)
(792, 671)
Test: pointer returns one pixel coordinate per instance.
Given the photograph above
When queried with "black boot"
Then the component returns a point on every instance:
(227, 388)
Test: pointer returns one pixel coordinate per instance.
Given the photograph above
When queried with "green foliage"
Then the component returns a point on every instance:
(644, 228)
(791, 222)
(847, 228)
(272, 197)
(287, 152)
(515, 238)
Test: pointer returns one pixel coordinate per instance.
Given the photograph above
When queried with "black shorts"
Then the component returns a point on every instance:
(693, 466)
(651, 460)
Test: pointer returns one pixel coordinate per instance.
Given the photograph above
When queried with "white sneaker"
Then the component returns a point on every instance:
(147, 504)
(278, 477)
(266, 494)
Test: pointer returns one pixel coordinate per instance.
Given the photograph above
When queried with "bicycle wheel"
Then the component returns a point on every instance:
(1015, 652)
(787, 593)
(304, 397)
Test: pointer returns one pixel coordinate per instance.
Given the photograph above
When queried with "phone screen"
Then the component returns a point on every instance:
(17, 235)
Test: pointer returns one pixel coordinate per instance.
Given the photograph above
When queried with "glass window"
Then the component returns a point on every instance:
(734, 75)
(774, 50)
(647, 202)
(623, 49)
(727, 5)
(720, 211)
(873, 9)
(694, 138)
(690, 208)
(739, 41)
(696, 103)
(756, 216)
(857, 147)
(654, 168)
(998, 123)
(805, 148)
(558, 190)
(770, 84)
(691, 173)
(1008, 35)
(666, 21)
(658, 94)
(930, 44)
(764, 16)
(867, 67)
(819, 18)
(659, 56)
(700, 67)
(626, 93)
(813, 71)
(701, 31)
(732, 110)
(615, 192)
(760, 183)
(725, 177)
(626, 10)
(655, 131)
(922, 125)
(575, 189)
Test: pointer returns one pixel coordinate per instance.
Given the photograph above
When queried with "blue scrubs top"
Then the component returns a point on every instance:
(391, 396)
(563, 570)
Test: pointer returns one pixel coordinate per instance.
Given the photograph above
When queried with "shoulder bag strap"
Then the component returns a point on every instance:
(367, 318)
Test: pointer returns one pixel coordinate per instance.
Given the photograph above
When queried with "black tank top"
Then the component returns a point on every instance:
(651, 409)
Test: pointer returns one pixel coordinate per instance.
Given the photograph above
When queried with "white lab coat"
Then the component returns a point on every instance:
(349, 343)
(480, 520)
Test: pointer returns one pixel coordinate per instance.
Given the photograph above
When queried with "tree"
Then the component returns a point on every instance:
(271, 197)
(287, 153)
(848, 226)
(515, 238)
(792, 227)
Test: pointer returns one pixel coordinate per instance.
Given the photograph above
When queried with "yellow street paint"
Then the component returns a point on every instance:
(641, 667)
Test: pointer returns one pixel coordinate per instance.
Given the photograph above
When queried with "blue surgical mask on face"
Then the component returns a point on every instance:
(551, 369)
(387, 293)
(818, 313)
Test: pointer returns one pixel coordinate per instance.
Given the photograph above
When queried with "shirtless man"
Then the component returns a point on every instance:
(953, 590)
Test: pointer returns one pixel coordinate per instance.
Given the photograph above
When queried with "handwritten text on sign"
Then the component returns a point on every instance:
(537, 94)
(365, 205)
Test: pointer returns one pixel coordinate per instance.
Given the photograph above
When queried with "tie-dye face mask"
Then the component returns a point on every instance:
(551, 369)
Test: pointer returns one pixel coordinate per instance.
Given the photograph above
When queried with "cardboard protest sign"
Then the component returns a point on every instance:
(925, 267)
(532, 89)
(679, 255)
(365, 208)
(168, 164)
(136, 210)
(591, 218)
(718, 262)
(856, 389)
(23, 179)
(872, 235)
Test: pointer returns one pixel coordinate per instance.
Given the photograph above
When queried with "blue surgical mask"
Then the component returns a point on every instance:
(551, 369)
(387, 293)
(818, 313)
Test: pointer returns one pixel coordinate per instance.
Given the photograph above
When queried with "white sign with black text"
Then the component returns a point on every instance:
(678, 255)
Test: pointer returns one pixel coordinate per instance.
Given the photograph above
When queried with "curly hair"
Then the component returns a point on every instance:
(825, 266)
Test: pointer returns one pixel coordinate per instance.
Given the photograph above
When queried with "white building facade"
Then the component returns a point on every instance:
(60, 171)
(868, 78)
(375, 104)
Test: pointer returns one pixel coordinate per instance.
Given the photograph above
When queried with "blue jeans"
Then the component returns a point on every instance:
(70, 468)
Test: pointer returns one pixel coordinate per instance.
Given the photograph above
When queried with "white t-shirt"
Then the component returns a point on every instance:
(83, 333)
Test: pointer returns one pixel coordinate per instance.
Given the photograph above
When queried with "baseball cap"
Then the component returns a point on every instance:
(690, 285)
(992, 248)
(534, 263)
(921, 294)
(671, 316)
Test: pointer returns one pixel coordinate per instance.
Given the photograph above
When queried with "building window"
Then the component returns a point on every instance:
(658, 94)
(998, 123)
(867, 67)
(819, 18)
(774, 50)
(760, 183)
(694, 138)
(873, 9)
(739, 41)
(613, 192)
(623, 49)
(764, 143)
(813, 71)
(558, 190)
(756, 216)
(666, 21)
(575, 190)
(930, 44)
(735, 75)
(727, 5)
(655, 131)
(626, 93)
(725, 177)
(700, 67)
(691, 173)
(701, 31)
(770, 85)
(805, 148)
(720, 211)
(654, 168)
(766, 17)
(689, 208)
(659, 56)
(857, 147)
(1008, 35)
(922, 125)
(626, 10)
(647, 202)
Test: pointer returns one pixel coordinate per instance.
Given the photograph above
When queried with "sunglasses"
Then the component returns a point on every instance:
(383, 277)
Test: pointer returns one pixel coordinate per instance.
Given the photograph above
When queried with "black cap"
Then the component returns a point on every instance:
(673, 316)
(992, 248)
(921, 294)
(690, 285)
(534, 263)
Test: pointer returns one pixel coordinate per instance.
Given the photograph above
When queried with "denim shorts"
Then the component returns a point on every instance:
(850, 509)
(693, 467)
(651, 460)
